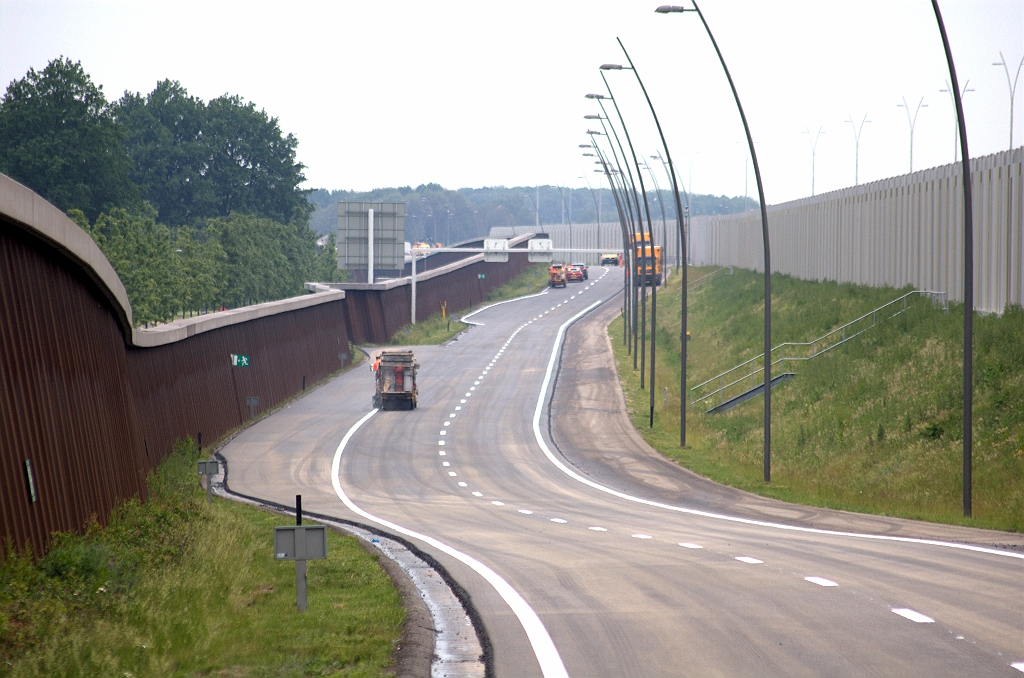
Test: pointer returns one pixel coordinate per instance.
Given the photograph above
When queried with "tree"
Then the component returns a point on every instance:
(59, 138)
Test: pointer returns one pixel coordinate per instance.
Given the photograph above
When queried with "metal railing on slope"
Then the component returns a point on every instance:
(694, 284)
(749, 375)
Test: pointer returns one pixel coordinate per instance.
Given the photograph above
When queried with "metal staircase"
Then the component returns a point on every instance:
(746, 380)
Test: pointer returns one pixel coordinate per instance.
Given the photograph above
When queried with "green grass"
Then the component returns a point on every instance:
(437, 329)
(177, 587)
(873, 426)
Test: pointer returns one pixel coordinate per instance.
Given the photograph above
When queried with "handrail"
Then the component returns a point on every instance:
(819, 346)
(701, 280)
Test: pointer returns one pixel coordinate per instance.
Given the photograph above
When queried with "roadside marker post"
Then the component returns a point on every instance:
(300, 543)
(209, 469)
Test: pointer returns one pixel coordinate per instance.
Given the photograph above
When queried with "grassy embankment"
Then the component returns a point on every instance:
(873, 426)
(180, 587)
(437, 329)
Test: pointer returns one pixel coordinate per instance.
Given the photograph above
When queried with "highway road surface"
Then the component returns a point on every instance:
(587, 554)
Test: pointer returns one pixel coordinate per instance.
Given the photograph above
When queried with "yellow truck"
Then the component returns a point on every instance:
(650, 273)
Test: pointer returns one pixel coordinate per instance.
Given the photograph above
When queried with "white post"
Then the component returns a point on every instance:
(369, 250)
(414, 287)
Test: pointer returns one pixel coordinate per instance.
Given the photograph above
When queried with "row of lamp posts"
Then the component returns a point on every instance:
(619, 174)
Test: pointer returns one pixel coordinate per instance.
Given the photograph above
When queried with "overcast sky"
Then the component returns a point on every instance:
(486, 93)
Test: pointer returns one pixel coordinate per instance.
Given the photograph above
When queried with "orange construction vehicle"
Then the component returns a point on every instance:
(395, 379)
(556, 275)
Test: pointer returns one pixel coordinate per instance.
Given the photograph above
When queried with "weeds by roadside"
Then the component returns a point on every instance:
(176, 586)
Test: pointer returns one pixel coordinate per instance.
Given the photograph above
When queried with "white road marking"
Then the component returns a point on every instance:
(467, 395)
(448, 423)
(440, 442)
(560, 336)
(445, 463)
(463, 402)
(498, 303)
(821, 581)
(559, 520)
(442, 432)
(1018, 665)
(462, 484)
(442, 452)
(473, 388)
(688, 545)
(475, 383)
(452, 415)
(526, 511)
(913, 615)
(598, 529)
(551, 665)
(478, 494)
(498, 503)
(641, 536)
(452, 473)
(749, 560)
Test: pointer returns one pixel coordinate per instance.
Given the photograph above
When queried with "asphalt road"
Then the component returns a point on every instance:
(587, 554)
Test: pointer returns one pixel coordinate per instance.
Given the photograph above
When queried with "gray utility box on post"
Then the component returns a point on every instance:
(388, 238)
(300, 542)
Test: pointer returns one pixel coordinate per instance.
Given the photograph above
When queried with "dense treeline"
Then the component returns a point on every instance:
(197, 205)
(436, 214)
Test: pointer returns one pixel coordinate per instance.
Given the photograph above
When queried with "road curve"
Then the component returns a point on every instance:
(630, 565)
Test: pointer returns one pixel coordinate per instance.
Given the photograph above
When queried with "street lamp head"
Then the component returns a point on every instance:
(592, 116)
(611, 67)
(586, 146)
(591, 155)
(671, 9)
(590, 131)
(595, 96)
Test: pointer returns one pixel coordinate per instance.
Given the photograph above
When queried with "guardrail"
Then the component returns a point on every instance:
(749, 375)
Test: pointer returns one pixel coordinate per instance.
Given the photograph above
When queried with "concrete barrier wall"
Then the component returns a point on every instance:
(906, 230)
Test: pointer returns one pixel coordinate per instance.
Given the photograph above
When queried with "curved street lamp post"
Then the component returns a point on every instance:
(669, 9)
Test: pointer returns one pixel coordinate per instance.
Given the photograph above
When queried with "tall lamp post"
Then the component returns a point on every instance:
(956, 121)
(814, 151)
(644, 257)
(686, 213)
(912, 122)
(856, 146)
(1012, 86)
(669, 9)
(968, 386)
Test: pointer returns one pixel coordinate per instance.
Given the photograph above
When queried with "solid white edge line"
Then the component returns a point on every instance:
(498, 303)
(543, 647)
(560, 336)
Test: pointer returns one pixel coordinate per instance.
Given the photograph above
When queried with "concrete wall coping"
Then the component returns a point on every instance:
(28, 210)
(391, 283)
(182, 329)
(43, 220)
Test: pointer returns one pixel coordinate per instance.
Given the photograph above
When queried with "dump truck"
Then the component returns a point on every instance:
(556, 275)
(649, 274)
(395, 374)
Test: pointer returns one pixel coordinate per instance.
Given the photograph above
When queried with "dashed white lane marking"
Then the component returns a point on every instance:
(560, 336)
(913, 615)
(472, 388)
(821, 581)
(526, 511)
(462, 484)
(440, 442)
(551, 665)
(442, 432)
(457, 408)
(598, 529)
(641, 536)
(442, 452)
(749, 560)
(444, 463)
(448, 423)
(452, 473)
(498, 503)
(559, 520)
(1018, 665)
(467, 395)
(688, 545)
(475, 383)
(478, 494)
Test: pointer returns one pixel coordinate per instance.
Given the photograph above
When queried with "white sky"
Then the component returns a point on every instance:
(486, 92)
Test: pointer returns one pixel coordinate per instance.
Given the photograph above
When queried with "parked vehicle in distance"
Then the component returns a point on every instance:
(574, 274)
(582, 267)
(556, 275)
(610, 260)
(395, 377)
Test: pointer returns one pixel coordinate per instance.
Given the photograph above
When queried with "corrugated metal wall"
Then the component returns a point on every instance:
(907, 230)
(65, 396)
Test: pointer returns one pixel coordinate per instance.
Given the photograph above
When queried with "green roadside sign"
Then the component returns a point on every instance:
(238, 360)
